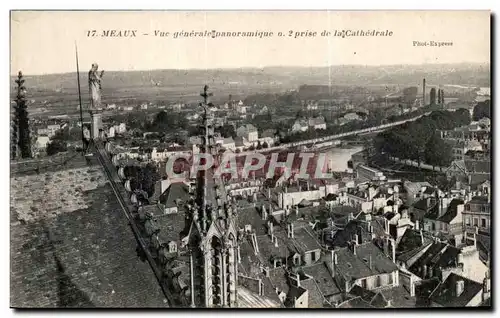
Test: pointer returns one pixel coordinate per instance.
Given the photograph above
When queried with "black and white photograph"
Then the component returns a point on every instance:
(250, 159)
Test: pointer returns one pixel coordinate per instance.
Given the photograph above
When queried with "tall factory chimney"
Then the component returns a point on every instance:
(423, 93)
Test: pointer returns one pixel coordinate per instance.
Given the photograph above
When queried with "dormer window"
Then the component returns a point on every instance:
(172, 247)
(296, 260)
(265, 271)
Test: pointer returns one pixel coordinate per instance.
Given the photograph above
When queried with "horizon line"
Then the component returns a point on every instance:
(260, 67)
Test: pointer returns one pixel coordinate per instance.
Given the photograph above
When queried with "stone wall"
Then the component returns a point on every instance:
(71, 245)
(49, 194)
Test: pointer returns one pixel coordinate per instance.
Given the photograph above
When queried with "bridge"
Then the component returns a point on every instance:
(326, 139)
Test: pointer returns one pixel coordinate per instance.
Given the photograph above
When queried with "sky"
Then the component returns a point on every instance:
(43, 42)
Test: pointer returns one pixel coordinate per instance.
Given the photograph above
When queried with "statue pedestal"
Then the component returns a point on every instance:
(96, 123)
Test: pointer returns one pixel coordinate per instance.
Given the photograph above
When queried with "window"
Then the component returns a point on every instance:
(390, 279)
(172, 247)
(296, 260)
(378, 281)
(483, 223)
(313, 257)
(363, 283)
(475, 221)
(467, 220)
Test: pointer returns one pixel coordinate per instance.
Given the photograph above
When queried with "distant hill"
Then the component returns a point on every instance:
(186, 84)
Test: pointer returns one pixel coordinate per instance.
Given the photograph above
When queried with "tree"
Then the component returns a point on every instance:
(148, 177)
(167, 122)
(21, 130)
(438, 152)
(226, 131)
(56, 146)
(481, 110)
(432, 95)
(259, 145)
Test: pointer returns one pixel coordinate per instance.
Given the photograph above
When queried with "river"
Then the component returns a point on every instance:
(337, 158)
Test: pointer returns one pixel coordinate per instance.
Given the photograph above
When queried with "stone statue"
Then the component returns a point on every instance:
(95, 87)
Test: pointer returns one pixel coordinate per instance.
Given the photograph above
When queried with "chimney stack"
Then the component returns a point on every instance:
(334, 262)
(441, 208)
(290, 230)
(486, 286)
(412, 286)
(423, 93)
(459, 288)
(417, 225)
(393, 245)
(264, 213)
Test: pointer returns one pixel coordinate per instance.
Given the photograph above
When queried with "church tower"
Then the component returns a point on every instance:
(213, 231)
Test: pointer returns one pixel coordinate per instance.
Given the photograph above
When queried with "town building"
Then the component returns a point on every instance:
(248, 131)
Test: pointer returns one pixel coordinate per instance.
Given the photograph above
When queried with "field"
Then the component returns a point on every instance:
(57, 93)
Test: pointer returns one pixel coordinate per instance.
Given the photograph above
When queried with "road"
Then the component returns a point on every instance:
(333, 137)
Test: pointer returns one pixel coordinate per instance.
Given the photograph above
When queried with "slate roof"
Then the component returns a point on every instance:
(451, 212)
(268, 250)
(357, 266)
(438, 255)
(479, 200)
(344, 236)
(321, 274)
(449, 215)
(175, 193)
(407, 255)
(151, 209)
(356, 302)
(249, 215)
(343, 210)
(249, 261)
(415, 187)
(248, 299)
(484, 246)
(365, 294)
(478, 178)
(330, 197)
(316, 299)
(278, 277)
(303, 241)
(446, 296)
(422, 204)
(483, 166)
(429, 190)
(294, 292)
(171, 226)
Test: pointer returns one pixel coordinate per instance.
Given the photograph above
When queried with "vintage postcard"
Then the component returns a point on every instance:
(250, 159)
